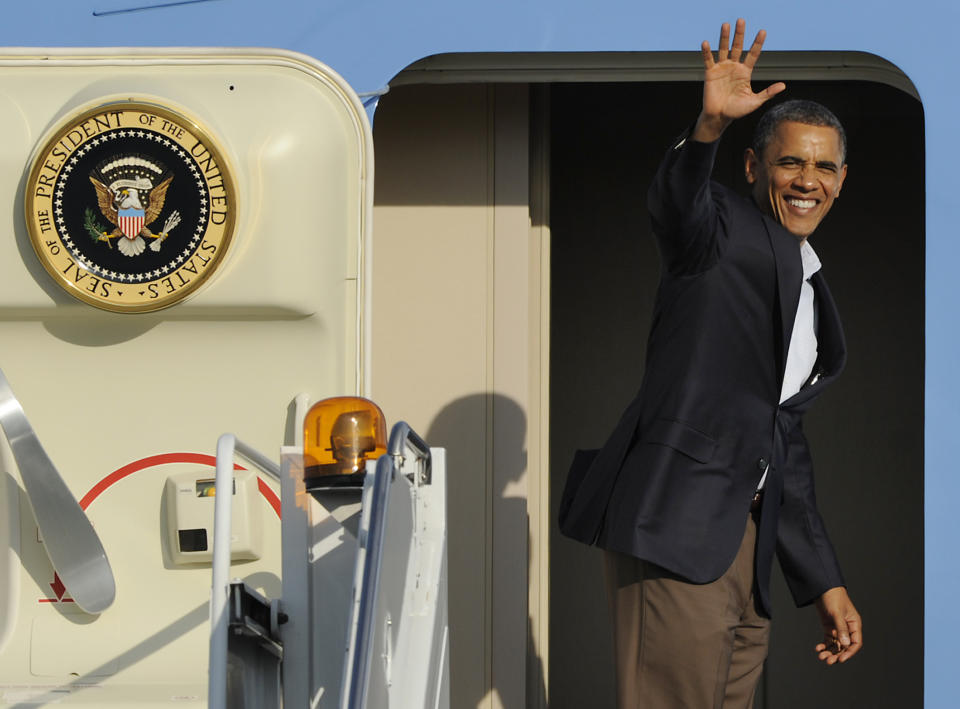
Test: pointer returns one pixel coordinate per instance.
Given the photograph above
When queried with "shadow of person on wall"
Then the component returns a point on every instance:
(488, 551)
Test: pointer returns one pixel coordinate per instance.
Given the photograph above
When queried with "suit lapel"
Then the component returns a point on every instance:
(789, 276)
(831, 345)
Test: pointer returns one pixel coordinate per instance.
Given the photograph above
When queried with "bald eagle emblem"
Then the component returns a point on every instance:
(131, 190)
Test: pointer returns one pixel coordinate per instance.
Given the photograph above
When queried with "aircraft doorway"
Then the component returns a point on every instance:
(510, 226)
(866, 432)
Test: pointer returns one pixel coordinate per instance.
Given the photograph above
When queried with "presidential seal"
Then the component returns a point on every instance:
(130, 206)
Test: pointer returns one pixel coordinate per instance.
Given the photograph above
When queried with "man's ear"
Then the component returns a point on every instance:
(843, 176)
(750, 163)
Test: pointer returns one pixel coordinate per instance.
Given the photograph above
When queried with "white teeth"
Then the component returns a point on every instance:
(802, 203)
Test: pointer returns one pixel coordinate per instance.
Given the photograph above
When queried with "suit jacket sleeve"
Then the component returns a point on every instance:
(686, 211)
(806, 556)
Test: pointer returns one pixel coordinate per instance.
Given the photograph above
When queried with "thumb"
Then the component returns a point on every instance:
(843, 634)
(772, 90)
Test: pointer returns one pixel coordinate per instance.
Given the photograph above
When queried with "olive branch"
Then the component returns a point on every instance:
(93, 227)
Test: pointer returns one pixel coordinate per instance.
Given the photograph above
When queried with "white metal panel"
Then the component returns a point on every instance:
(148, 394)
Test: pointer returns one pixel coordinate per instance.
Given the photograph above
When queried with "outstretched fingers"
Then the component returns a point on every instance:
(707, 55)
(724, 42)
(754, 54)
(737, 48)
(734, 52)
(727, 93)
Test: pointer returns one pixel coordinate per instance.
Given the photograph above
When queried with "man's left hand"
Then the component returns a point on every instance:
(842, 627)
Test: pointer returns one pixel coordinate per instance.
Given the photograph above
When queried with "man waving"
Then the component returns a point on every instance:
(708, 475)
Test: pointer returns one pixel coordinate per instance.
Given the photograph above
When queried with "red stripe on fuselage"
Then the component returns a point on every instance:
(163, 459)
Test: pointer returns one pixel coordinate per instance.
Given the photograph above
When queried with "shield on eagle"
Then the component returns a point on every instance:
(130, 221)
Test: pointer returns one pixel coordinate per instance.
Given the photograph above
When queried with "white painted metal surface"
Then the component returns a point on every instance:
(398, 652)
(125, 401)
(362, 570)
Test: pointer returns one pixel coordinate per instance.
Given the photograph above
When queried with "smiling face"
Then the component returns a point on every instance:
(799, 175)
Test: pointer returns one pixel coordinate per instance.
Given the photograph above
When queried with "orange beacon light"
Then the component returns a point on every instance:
(339, 436)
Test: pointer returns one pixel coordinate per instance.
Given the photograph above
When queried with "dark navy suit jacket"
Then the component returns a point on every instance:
(673, 483)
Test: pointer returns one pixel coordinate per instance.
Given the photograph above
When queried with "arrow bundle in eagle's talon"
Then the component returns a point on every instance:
(168, 226)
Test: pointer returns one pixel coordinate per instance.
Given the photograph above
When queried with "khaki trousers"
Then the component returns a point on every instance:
(680, 645)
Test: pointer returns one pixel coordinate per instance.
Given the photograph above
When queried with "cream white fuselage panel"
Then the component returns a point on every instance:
(282, 315)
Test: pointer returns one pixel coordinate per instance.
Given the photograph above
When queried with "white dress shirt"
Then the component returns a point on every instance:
(802, 354)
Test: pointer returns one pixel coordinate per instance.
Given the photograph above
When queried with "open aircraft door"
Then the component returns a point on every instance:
(185, 253)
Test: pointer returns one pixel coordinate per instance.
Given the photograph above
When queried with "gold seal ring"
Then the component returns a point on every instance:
(130, 206)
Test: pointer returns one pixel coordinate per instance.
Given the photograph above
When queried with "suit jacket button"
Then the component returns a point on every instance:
(762, 464)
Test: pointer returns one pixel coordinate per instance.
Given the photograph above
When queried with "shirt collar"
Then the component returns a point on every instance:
(811, 262)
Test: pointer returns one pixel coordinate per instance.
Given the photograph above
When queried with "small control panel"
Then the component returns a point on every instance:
(189, 499)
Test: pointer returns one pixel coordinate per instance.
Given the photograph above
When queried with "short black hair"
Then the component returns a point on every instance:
(803, 111)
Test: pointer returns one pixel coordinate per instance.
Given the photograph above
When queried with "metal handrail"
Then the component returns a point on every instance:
(227, 445)
(401, 435)
(356, 692)
(75, 550)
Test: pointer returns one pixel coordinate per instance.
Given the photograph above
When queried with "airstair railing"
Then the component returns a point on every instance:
(361, 645)
(402, 438)
(227, 446)
(75, 550)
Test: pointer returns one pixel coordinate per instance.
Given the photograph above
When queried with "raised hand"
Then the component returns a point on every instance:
(727, 94)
